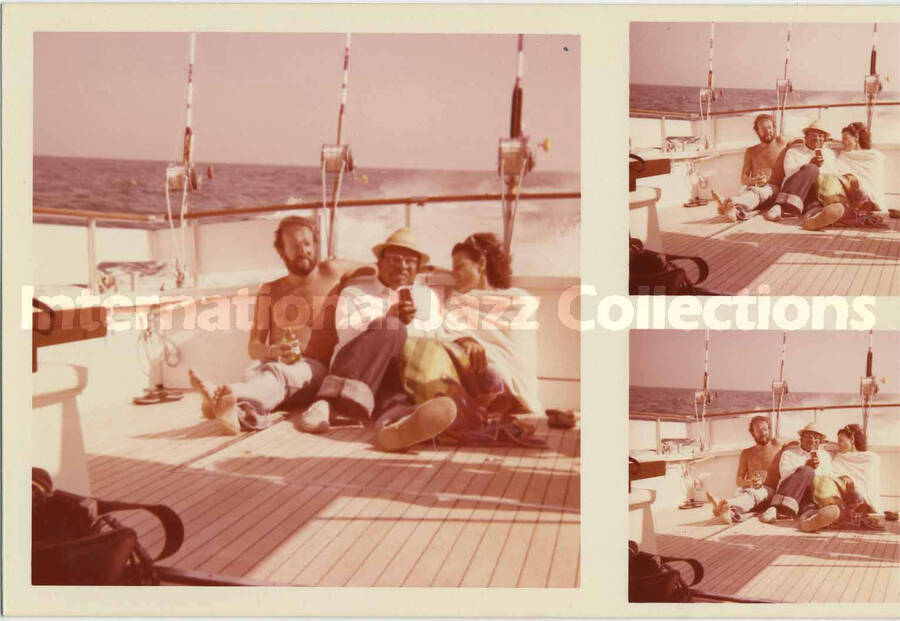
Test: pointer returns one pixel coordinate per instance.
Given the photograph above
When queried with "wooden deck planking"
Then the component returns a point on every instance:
(534, 572)
(778, 562)
(443, 529)
(330, 510)
(837, 261)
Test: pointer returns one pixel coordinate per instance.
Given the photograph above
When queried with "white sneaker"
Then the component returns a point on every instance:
(774, 214)
(769, 515)
(316, 417)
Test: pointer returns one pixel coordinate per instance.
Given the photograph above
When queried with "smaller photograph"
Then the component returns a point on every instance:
(763, 466)
(764, 159)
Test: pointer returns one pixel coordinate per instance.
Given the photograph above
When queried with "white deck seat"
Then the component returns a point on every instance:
(57, 442)
(643, 220)
(640, 519)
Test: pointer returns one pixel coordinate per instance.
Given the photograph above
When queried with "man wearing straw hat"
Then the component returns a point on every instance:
(802, 165)
(375, 314)
(797, 468)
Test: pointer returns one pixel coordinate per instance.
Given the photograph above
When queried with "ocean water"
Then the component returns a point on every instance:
(685, 98)
(547, 233)
(681, 400)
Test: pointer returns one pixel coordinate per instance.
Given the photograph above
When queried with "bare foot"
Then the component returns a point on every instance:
(208, 393)
(225, 411)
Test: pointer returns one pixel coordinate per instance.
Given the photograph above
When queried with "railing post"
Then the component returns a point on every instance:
(407, 215)
(662, 133)
(92, 256)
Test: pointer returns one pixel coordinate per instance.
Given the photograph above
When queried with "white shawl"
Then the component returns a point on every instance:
(864, 467)
(505, 322)
(868, 166)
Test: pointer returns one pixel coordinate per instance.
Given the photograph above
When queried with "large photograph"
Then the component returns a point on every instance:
(296, 309)
(765, 158)
(763, 466)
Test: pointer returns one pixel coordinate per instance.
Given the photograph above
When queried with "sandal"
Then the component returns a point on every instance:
(561, 419)
(152, 396)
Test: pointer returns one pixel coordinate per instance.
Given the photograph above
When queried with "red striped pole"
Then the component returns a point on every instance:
(344, 83)
(188, 151)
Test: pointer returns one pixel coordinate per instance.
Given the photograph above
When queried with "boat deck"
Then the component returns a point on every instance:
(756, 254)
(286, 507)
(778, 562)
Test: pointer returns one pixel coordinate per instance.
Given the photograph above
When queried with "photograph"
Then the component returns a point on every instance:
(764, 158)
(763, 466)
(296, 309)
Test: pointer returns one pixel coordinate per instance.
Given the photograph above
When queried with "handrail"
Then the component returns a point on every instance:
(199, 215)
(734, 413)
(690, 116)
(95, 215)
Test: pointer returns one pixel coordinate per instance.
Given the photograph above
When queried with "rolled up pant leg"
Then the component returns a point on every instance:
(793, 494)
(798, 188)
(359, 368)
(751, 498)
(266, 385)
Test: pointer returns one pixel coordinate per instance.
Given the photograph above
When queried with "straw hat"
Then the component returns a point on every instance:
(817, 127)
(811, 428)
(402, 238)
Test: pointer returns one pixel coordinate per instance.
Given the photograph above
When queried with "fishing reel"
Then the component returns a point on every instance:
(175, 179)
(868, 387)
(515, 157)
(872, 85)
(779, 388)
(337, 157)
(783, 88)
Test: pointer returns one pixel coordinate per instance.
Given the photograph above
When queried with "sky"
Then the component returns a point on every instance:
(751, 55)
(415, 101)
(816, 361)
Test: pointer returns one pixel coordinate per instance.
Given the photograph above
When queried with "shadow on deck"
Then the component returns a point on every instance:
(779, 258)
(291, 508)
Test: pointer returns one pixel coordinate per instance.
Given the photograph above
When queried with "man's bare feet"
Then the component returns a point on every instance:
(724, 206)
(225, 411)
(208, 393)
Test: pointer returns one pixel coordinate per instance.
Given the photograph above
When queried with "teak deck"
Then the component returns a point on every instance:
(779, 258)
(286, 507)
(778, 562)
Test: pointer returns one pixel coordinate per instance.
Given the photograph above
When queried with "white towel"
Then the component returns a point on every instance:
(504, 321)
(864, 467)
(868, 166)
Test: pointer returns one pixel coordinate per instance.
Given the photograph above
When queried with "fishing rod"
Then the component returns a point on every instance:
(872, 84)
(779, 387)
(336, 159)
(783, 85)
(515, 158)
(708, 94)
(184, 176)
(702, 397)
(868, 385)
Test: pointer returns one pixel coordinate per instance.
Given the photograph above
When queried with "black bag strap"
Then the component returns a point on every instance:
(702, 265)
(172, 524)
(694, 563)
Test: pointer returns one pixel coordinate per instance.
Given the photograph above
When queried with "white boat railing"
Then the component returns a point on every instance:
(160, 221)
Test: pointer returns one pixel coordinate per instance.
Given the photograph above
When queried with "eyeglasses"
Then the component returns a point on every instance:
(398, 260)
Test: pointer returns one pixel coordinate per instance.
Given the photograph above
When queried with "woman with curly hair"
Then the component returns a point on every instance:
(860, 465)
(493, 327)
(853, 485)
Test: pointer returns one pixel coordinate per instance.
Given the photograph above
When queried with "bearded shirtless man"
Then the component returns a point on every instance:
(756, 173)
(298, 302)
